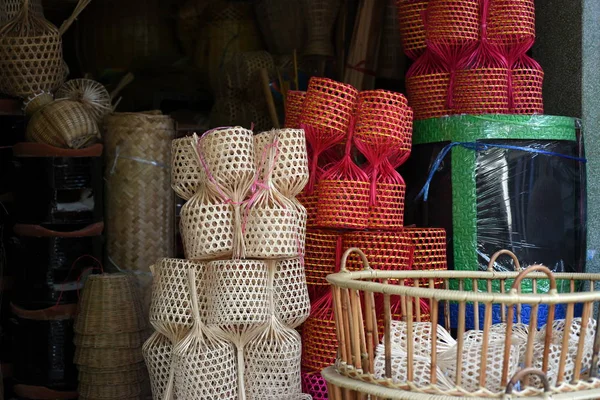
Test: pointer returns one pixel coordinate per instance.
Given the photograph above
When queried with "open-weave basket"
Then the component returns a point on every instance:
(227, 154)
(314, 385)
(290, 292)
(235, 111)
(427, 85)
(158, 355)
(207, 225)
(388, 210)
(170, 307)
(63, 123)
(290, 168)
(412, 29)
(294, 106)
(186, 172)
(272, 363)
(31, 52)
(139, 199)
(391, 63)
(453, 22)
(320, 15)
(527, 80)
(323, 252)
(319, 338)
(388, 250)
(110, 303)
(10, 8)
(206, 365)
(280, 24)
(243, 70)
(93, 95)
(429, 248)
(511, 22)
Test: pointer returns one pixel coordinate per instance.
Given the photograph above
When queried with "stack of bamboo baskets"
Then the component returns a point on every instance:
(224, 316)
(109, 332)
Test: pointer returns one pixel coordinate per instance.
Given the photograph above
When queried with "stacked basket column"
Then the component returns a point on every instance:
(224, 317)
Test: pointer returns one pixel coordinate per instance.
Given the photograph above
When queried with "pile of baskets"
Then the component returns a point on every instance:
(501, 355)
(471, 57)
(354, 206)
(109, 332)
(225, 316)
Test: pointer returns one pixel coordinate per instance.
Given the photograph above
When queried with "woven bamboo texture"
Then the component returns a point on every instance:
(527, 80)
(109, 391)
(293, 108)
(139, 200)
(322, 15)
(290, 292)
(93, 95)
(186, 172)
(63, 123)
(511, 22)
(387, 250)
(158, 355)
(323, 251)
(453, 22)
(126, 340)
(135, 375)
(418, 359)
(412, 28)
(391, 63)
(427, 87)
(319, 338)
(314, 385)
(282, 30)
(10, 8)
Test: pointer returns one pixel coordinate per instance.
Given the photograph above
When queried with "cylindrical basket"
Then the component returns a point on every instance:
(281, 26)
(323, 252)
(139, 199)
(158, 355)
(412, 28)
(294, 107)
(387, 249)
(290, 292)
(453, 22)
(511, 22)
(186, 172)
(527, 80)
(427, 85)
(321, 15)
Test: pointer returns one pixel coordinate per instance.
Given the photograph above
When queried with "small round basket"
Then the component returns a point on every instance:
(93, 95)
(290, 292)
(187, 174)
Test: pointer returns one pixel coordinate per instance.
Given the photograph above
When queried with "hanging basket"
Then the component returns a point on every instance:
(186, 172)
(170, 309)
(290, 293)
(10, 8)
(387, 212)
(93, 95)
(294, 106)
(31, 57)
(158, 355)
(411, 14)
(272, 363)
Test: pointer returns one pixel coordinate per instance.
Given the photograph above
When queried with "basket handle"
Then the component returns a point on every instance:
(522, 374)
(501, 253)
(360, 253)
(517, 283)
(81, 5)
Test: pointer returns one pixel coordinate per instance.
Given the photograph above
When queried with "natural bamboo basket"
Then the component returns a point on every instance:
(206, 365)
(127, 340)
(280, 24)
(62, 123)
(31, 52)
(158, 355)
(113, 391)
(107, 358)
(293, 108)
(93, 95)
(290, 292)
(109, 303)
(170, 307)
(481, 363)
(100, 377)
(10, 8)
(321, 15)
(139, 199)
(187, 174)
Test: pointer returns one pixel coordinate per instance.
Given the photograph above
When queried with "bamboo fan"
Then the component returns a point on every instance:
(206, 365)
(31, 52)
(93, 95)
(227, 155)
(170, 309)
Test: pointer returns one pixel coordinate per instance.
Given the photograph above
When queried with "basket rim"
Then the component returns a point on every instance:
(353, 280)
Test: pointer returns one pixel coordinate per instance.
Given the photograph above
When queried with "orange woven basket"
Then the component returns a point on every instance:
(411, 14)
(323, 252)
(429, 248)
(453, 22)
(319, 337)
(427, 83)
(388, 212)
(527, 79)
(511, 22)
(385, 250)
(293, 108)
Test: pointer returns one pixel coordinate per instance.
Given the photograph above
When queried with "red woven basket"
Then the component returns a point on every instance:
(427, 83)
(323, 253)
(429, 248)
(388, 212)
(511, 22)
(527, 79)
(452, 22)
(319, 337)
(411, 14)
(293, 108)
(385, 250)
(315, 385)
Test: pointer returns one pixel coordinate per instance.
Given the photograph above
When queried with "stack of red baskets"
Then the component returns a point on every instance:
(471, 57)
(352, 205)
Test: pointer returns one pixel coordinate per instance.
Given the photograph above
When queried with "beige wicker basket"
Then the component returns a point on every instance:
(158, 355)
(140, 209)
(480, 363)
(125, 340)
(62, 123)
(31, 52)
(290, 292)
(93, 95)
(186, 172)
(107, 358)
(10, 8)
(113, 391)
(321, 15)
(101, 377)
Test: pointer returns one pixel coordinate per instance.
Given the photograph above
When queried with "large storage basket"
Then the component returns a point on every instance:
(419, 360)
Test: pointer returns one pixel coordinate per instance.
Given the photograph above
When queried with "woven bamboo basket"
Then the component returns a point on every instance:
(93, 95)
(323, 251)
(319, 338)
(427, 363)
(412, 27)
(321, 15)
(294, 106)
(186, 172)
(244, 68)
(139, 199)
(107, 358)
(511, 22)
(279, 23)
(527, 80)
(61, 123)
(10, 8)
(170, 307)
(387, 211)
(290, 292)
(453, 22)
(113, 391)
(206, 364)
(31, 52)
(427, 87)
(189, 22)
(235, 111)
(387, 249)
(109, 304)
(101, 377)
(126, 340)
(391, 63)
(158, 355)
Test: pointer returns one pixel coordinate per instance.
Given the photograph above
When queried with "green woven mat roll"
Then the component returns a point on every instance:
(471, 128)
